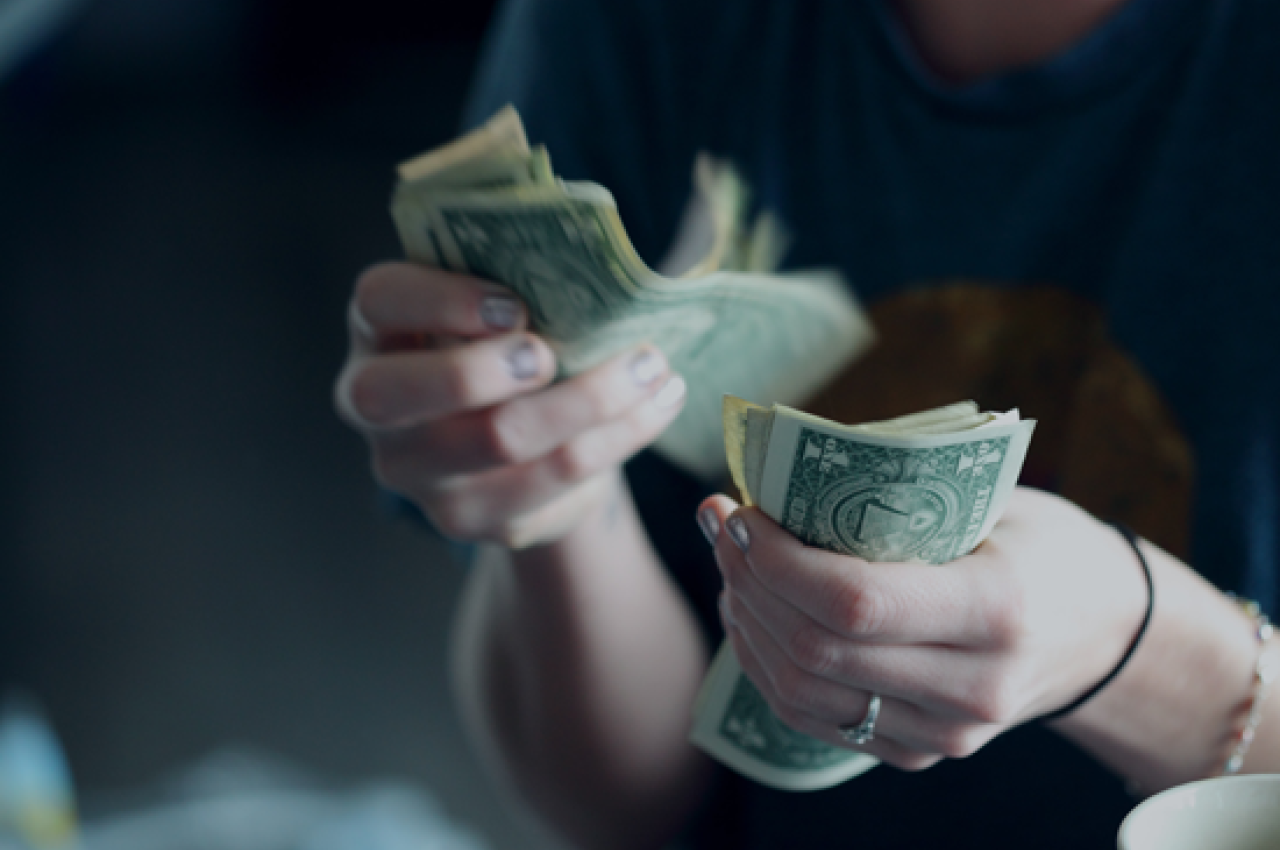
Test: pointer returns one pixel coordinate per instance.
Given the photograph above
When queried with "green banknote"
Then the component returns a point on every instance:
(925, 488)
(490, 206)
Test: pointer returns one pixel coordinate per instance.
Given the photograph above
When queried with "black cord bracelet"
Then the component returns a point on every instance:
(1132, 538)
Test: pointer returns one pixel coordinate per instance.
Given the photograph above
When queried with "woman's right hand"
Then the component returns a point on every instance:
(454, 397)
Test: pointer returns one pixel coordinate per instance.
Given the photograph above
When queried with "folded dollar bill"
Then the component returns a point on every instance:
(490, 205)
(927, 488)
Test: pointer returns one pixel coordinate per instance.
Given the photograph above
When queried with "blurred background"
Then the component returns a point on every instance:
(192, 552)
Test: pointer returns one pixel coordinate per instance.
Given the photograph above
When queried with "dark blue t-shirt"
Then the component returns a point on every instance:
(1138, 172)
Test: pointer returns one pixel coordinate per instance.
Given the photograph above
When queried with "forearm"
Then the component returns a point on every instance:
(576, 665)
(1168, 717)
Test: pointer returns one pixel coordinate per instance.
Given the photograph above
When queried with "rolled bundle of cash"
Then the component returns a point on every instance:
(926, 488)
(489, 205)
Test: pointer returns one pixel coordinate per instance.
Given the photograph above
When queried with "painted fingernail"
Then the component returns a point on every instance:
(738, 532)
(500, 312)
(522, 360)
(710, 524)
(671, 393)
(646, 366)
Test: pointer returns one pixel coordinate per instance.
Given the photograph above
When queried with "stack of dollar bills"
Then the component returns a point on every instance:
(489, 205)
(927, 488)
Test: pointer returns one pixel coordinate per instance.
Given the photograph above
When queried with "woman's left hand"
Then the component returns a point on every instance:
(1034, 617)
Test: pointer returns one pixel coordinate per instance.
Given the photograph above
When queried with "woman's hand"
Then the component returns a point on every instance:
(1033, 618)
(453, 395)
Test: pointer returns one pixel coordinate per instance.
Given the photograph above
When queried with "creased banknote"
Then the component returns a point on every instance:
(490, 205)
(926, 488)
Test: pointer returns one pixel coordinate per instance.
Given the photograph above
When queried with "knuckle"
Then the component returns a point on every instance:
(503, 437)
(811, 650)
(577, 460)
(860, 610)
(452, 518)
(959, 742)
(992, 701)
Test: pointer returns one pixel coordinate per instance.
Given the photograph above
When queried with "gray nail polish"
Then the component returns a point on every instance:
(738, 532)
(710, 524)
(522, 360)
(500, 312)
(645, 366)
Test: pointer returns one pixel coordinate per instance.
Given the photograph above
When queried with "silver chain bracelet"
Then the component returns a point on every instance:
(1265, 671)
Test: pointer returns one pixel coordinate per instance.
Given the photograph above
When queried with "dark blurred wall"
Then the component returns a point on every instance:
(192, 549)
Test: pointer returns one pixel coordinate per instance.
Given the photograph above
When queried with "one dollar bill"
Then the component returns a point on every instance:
(490, 205)
(926, 488)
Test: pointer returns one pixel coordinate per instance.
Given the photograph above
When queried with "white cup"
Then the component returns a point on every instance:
(1230, 813)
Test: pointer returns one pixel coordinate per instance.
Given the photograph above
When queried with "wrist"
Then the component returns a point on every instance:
(1163, 720)
(1132, 646)
(571, 517)
(577, 520)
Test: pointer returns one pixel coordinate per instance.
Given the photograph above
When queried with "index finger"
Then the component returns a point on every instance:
(394, 299)
(872, 602)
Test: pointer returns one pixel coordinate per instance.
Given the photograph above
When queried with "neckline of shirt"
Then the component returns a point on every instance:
(1141, 33)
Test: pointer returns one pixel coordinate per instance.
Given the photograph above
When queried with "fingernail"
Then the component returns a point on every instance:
(738, 532)
(710, 524)
(522, 360)
(671, 393)
(500, 312)
(646, 366)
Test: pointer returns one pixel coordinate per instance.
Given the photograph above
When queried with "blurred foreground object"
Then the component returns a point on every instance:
(230, 800)
(489, 205)
(242, 801)
(927, 488)
(37, 803)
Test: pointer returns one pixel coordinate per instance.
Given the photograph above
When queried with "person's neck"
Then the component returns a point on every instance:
(965, 40)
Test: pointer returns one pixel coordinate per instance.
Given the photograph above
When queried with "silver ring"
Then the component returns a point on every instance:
(864, 732)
